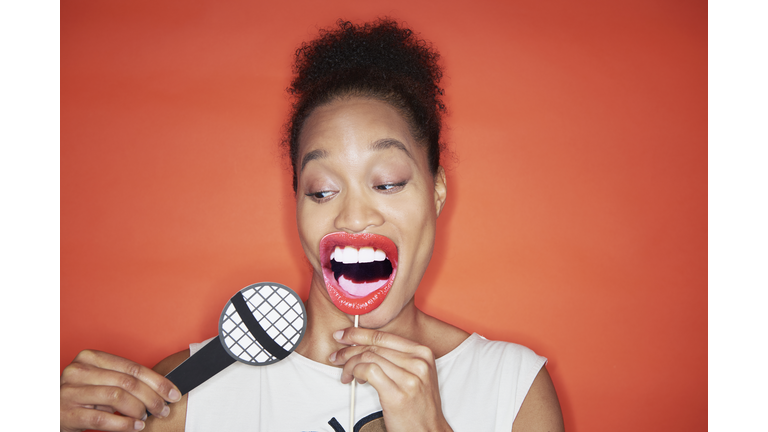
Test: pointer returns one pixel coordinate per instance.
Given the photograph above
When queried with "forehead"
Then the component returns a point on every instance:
(352, 126)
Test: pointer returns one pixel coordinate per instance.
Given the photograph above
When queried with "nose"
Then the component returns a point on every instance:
(356, 213)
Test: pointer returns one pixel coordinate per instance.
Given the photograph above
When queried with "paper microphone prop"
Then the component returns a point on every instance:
(259, 325)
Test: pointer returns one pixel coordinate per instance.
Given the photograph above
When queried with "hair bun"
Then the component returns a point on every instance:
(381, 60)
(375, 49)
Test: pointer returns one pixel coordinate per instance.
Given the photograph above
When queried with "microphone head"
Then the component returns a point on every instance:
(262, 323)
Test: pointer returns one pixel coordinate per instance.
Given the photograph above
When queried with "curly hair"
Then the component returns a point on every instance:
(380, 60)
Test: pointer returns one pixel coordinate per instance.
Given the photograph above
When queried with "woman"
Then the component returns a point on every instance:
(364, 143)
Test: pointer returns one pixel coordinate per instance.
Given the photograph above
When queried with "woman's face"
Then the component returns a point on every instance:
(366, 208)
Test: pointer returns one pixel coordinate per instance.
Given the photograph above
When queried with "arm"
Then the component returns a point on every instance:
(540, 411)
(176, 420)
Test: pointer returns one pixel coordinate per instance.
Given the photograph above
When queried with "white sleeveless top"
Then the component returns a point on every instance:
(482, 386)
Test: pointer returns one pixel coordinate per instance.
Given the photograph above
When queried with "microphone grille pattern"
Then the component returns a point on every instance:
(279, 312)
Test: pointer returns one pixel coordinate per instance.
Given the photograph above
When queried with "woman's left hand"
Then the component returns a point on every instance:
(402, 372)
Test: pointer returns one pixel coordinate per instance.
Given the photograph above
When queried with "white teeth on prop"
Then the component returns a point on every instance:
(366, 254)
(350, 255)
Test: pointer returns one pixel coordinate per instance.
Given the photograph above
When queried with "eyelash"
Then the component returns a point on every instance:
(323, 196)
(392, 187)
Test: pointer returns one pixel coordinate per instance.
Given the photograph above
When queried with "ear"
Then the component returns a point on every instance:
(441, 190)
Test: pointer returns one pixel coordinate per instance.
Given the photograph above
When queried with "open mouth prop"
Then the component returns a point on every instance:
(358, 270)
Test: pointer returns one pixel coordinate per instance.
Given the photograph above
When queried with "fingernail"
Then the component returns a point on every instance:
(145, 417)
(338, 335)
(138, 425)
(166, 410)
(332, 357)
(174, 395)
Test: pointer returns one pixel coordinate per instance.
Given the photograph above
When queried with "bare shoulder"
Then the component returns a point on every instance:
(177, 418)
(540, 411)
(169, 363)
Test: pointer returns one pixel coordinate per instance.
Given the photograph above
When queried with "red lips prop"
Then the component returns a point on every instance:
(350, 295)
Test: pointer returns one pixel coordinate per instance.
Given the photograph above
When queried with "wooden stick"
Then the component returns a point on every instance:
(352, 393)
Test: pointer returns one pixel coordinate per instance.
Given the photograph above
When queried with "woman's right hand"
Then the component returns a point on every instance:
(96, 384)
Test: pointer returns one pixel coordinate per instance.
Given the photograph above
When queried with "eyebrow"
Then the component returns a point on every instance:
(314, 154)
(386, 143)
(378, 145)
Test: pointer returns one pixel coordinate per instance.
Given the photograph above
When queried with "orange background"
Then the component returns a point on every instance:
(576, 221)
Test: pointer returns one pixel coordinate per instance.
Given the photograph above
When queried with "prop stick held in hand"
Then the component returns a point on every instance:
(352, 392)
(339, 250)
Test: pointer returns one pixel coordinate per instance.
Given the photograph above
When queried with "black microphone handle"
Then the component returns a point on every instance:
(198, 368)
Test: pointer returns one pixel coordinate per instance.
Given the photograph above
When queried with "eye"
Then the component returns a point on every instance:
(321, 196)
(391, 187)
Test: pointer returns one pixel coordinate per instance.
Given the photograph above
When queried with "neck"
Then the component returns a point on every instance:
(323, 319)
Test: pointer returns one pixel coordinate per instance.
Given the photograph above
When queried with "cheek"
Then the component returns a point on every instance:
(312, 222)
(425, 218)
(419, 211)
(304, 226)
(417, 223)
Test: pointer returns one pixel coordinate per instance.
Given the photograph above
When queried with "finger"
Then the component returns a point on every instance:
(399, 367)
(375, 370)
(106, 399)
(82, 375)
(342, 356)
(104, 408)
(160, 384)
(350, 357)
(397, 387)
(363, 336)
(80, 418)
